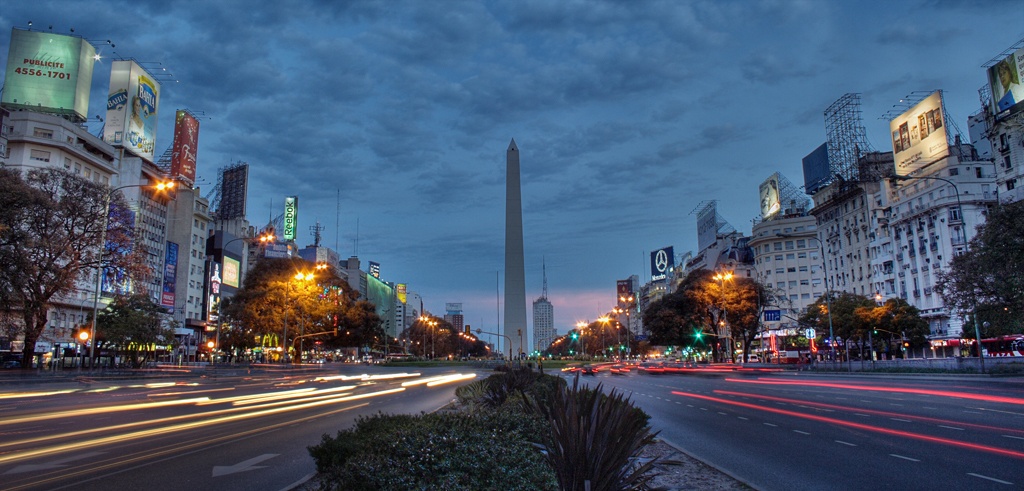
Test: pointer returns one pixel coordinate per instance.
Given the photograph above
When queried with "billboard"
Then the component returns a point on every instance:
(183, 151)
(662, 261)
(231, 273)
(170, 275)
(233, 191)
(707, 226)
(401, 290)
(374, 269)
(816, 169)
(132, 105)
(623, 288)
(769, 191)
(919, 135)
(291, 216)
(49, 72)
(1007, 81)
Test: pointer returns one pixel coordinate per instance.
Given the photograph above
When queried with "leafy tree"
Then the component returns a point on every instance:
(989, 278)
(846, 324)
(271, 297)
(52, 224)
(133, 326)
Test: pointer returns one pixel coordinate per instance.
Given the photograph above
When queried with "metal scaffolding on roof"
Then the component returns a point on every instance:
(847, 139)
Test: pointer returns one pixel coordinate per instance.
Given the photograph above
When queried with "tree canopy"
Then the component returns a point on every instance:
(51, 225)
(989, 277)
(132, 325)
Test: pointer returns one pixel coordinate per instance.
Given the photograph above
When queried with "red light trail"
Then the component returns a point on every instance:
(898, 390)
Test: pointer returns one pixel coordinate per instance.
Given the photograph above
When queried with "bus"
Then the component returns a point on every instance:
(1012, 345)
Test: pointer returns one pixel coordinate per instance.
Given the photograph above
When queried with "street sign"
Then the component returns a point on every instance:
(772, 315)
(811, 334)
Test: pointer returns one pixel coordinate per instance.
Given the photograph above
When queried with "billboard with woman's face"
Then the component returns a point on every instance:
(1005, 78)
(132, 109)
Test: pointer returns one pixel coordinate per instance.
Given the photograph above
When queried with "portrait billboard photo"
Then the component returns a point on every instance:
(919, 136)
(769, 191)
(132, 105)
(49, 72)
(1006, 79)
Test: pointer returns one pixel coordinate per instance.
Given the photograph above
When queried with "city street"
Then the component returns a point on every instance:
(244, 432)
(797, 431)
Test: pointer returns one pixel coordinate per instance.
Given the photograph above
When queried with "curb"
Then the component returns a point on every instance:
(702, 461)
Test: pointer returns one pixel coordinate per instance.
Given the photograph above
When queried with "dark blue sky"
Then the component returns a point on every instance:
(627, 115)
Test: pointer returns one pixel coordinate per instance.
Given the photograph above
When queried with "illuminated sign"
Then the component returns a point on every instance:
(1007, 81)
(132, 105)
(170, 275)
(213, 299)
(291, 216)
(769, 191)
(48, 72)
(919, 135)
(375, 269)
(400, 290)
(662, 261)
(232, 272)
(186, 141)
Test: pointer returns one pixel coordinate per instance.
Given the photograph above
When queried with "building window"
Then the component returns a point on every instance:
(790, 256)
(1011, 184)
(42, 133)
(39, 155)
(778, 257)
(778, 246)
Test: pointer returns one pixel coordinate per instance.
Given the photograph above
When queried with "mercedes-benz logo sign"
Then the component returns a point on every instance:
(661, 261)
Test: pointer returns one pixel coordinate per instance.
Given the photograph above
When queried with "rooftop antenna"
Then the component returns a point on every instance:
(544, 274)
(337, 224)
(316, 229)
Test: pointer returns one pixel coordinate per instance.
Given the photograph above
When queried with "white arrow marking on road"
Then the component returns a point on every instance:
(56, 464)
(248, 465)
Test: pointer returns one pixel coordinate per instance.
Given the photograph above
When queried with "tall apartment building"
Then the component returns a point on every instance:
(190, 214)
(543, 318)
(787, 258)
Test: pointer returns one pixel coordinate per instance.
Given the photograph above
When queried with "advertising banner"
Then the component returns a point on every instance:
(49, 72)
(919, 135)
(623, 288)
(374, 269)
(662, 261)
(707, 226)
(213, 298)
(291, 216)
(769, 191)
(231, 273)
(170, 275)
(1007, 81)
(400, 290)
(816, 169)
(183, 151)
(132, 105)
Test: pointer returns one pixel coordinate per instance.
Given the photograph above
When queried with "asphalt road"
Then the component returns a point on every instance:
(796, 431)
(243, 432)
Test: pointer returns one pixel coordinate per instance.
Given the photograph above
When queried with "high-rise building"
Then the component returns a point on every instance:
(515, 274)
(543, 318)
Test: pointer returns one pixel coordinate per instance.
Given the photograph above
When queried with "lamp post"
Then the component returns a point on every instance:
(828, 295)
(963, 236)
(159, 186)
(428, 321)
(299, 277)
(721, 277)
(628, 301)
(480, 331)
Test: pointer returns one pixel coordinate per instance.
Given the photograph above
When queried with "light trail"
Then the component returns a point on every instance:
(839, 422)
(90, 444)
(940, 393)
(440, 379)
(365, 377)
(105, 409)
(19, 395)
(855, 410)
(452, 378)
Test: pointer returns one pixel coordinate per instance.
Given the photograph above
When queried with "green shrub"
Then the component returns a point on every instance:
(593, 439)
(450, 450)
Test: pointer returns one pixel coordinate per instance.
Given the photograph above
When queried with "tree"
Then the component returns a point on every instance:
(52, 224)
(988, 279)
(133, 325)
(271, 297)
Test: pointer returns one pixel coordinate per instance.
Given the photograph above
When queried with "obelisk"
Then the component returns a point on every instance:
(515, 276)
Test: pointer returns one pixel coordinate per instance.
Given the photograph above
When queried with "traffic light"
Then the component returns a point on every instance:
(575, 336)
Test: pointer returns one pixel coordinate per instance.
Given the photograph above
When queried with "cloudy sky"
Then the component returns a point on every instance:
(628, 115)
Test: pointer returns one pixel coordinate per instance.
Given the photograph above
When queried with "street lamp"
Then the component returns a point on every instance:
(580, 326)
(963, 237)
(480, 331)
(265, 238)
(431, 323)
(723, 324)
(828, 296)
(299, 277)
(159, 186)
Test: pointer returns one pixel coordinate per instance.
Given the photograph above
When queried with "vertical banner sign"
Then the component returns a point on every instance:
(623, 288)
(662, 261)
(400, 290)
(132, 106)
(291, 216)
(213, 305)
(170, 275)
(769, 191)
(183, 151)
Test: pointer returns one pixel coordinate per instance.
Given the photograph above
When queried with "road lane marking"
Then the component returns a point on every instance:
(972, 412)
(801, 432)
(1014, 437)
(951, 427)
(703, 409)
(904, 458)
(723, 414)
(772, 425)
(248, 465)
(748, 419)
(901, 420)
(846, 443)
(1000, 481)
(862, 414)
